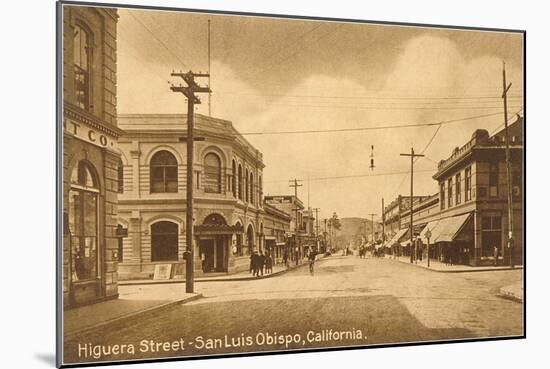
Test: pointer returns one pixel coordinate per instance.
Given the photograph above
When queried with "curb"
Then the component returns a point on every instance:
(223, 279)
(493, 269)
(69, 335)
(509, 295)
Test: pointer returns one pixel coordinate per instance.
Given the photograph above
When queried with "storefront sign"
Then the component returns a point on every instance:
(85, 133)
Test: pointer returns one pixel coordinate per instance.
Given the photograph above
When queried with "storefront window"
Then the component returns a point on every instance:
(491, 235)
(83, 228)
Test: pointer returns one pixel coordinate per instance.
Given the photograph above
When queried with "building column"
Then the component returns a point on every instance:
(134, 232)
(135, 154)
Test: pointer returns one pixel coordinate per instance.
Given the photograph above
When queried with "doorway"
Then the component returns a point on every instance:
(213, 255)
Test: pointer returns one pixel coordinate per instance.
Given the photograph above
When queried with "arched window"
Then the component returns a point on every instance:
(120, 177)
(164, 241)
(246, 185)
(212, 173)
(164, 172)
(82, 52)
(240, 182)
(83, 227)
(233, 178)
(252, 188)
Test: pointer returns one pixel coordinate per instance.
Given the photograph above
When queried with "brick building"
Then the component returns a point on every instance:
(276, 231)
(468, 216)
(90, 155)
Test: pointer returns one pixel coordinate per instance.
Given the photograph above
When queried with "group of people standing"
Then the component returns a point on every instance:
(260, 263)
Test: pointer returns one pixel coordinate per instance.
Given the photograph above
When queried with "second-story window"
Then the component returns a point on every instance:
(468, 184)
(442, 195)
(240, 182)
(212, 173)
(82, 52)
(164, 172)
(234, 178)
(450, 192)
(251, 188)
(493, 179)
(246, 185)
(458, 189)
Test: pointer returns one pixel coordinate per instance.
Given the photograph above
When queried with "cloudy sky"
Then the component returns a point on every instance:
(273, 75)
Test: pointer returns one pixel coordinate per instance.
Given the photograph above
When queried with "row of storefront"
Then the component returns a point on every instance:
(467, 220)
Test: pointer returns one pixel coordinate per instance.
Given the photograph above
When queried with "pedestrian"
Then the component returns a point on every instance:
(255, 269)
(252, 258)
(203, 262)
(261, 262)
(311, 259)
(285, 258)
(268, 264)
(495, 254)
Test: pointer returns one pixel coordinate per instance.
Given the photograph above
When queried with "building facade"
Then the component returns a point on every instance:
(90, 155)
(473, 181)
(468, 217)
(297, 238)
(276, 232)
(228, 210)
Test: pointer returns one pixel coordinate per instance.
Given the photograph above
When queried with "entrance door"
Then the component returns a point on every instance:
(220, 254)
(207, 255)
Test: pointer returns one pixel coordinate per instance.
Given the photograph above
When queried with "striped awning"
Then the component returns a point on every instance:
(446, 229)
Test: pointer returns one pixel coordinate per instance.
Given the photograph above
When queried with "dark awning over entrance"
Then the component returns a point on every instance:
(211, 229)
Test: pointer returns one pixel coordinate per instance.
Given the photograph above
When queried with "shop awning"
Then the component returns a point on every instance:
(432, 226)
(396, 238)
(446, 229)
(215, 229)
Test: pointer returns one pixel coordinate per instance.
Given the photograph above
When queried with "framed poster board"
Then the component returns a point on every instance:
(352, 184)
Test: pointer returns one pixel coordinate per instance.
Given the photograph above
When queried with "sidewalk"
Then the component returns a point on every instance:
(132, 301)
(240, 276)
(513, 292)
(438, 266)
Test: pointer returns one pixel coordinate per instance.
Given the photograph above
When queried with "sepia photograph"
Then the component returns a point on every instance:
(239, 184)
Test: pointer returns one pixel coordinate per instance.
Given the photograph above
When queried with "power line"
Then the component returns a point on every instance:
(158, 39)
(356, 176)
(287, 47)
(281, 62)
(380, 107)
(370, 128)
(361, 97)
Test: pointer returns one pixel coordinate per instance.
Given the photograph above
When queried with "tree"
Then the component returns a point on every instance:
(334, 225)
(334, 222)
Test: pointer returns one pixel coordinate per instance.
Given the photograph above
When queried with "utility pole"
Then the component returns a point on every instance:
(510, 241)
(316, 227)
(209, 67)
(372, 227)
(383, 224)
(412, 155)
(294, 183)
(189, 92)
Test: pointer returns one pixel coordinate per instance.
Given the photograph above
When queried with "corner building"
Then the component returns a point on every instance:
(228, 211)
(90, 155)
